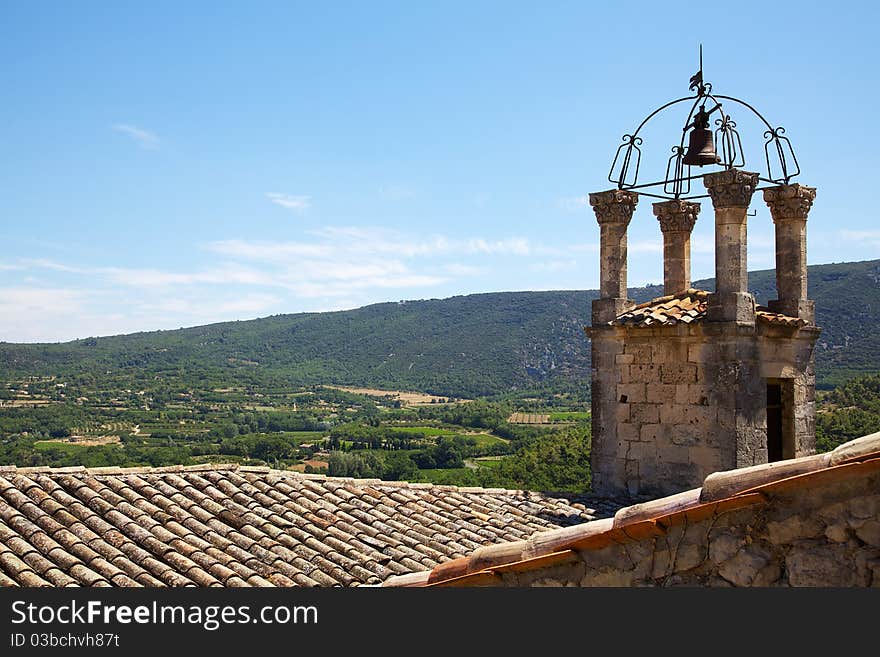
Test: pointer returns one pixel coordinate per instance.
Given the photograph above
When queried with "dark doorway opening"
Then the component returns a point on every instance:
(774, 421)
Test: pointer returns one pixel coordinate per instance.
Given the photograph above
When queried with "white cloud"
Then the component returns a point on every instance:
(553, 265)
(381, 241)
(144, 138)
(871, 237)
(336, 240)
(277, 266)
(269, 251)
(397, 192)
(328, 268)
(226, 275)
(23, 300)
(702, 244)
(761, 240)
(645, 246)
(324, 288)
(213, 310)
(296, 203)
(42, 263)
(513, 246)
(860, 234)
(574, 203)
(458, 269)
(584, 247)
(38, 313)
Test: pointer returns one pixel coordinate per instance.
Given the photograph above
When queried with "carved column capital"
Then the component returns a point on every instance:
(615, 206)
(731, 188)
(789, 202)
(676, 216)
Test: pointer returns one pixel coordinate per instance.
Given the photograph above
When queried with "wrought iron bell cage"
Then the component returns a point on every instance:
(724, 143)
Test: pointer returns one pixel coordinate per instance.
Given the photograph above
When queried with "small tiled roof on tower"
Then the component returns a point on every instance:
(688, 307)
(216, 525)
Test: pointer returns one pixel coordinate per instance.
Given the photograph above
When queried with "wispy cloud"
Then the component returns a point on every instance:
(702, 243)
(198, 308)
(26, 299)
(339, 260)
(379, 241)
(43, 263)
(574, 203)
(290, 202)
(144, 138)
(326, 268)
(36, 313)
(459, 269)
(397, 192)
(333, 240)
(553, 265)
(871, 237)
(584, 247)
(269, 251)
(645, 246)
(512, 246)
(146, 278)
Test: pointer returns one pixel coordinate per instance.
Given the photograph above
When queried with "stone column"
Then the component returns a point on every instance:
(731, 193)
(677, 220)
(614, 210)
(789, 206)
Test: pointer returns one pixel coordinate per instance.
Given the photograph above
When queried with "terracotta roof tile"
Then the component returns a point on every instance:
(687, 307)
(765, 315)
(666, 310)
(236, 526)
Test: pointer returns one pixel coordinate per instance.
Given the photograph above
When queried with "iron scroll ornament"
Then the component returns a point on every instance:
(781, 162)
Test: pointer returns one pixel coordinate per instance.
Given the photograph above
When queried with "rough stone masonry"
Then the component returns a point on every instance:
(825, 533)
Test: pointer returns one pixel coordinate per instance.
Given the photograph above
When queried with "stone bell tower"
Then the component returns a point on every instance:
(695, 382)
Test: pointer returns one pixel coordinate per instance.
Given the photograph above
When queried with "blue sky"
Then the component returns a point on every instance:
(170, 164)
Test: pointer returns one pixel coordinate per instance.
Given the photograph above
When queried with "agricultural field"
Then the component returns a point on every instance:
(570, 416)
(338, 430)
(405, 398)
(529, 418)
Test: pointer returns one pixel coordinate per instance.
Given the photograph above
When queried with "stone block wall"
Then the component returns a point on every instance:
(823, 535)
(673, 404)
(669, 427)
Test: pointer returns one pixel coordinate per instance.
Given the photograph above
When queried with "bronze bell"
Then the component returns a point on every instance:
(701, 148)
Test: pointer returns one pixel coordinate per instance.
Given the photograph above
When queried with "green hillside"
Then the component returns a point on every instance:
(471, 345)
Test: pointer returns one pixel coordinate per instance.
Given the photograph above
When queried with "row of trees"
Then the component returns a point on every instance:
(849, 411)
(446, 452)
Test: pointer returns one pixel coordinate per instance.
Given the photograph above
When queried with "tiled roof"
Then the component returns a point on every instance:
(763, 314)
(685, 308)
(238, 526)
(721, 491)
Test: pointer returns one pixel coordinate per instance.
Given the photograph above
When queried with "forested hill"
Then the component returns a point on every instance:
(464, 346)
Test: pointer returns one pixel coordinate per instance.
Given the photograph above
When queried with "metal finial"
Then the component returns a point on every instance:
(782, 165)
(696, 83)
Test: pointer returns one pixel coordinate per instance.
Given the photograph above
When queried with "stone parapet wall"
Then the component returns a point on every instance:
(826, 534)
(809, 521)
